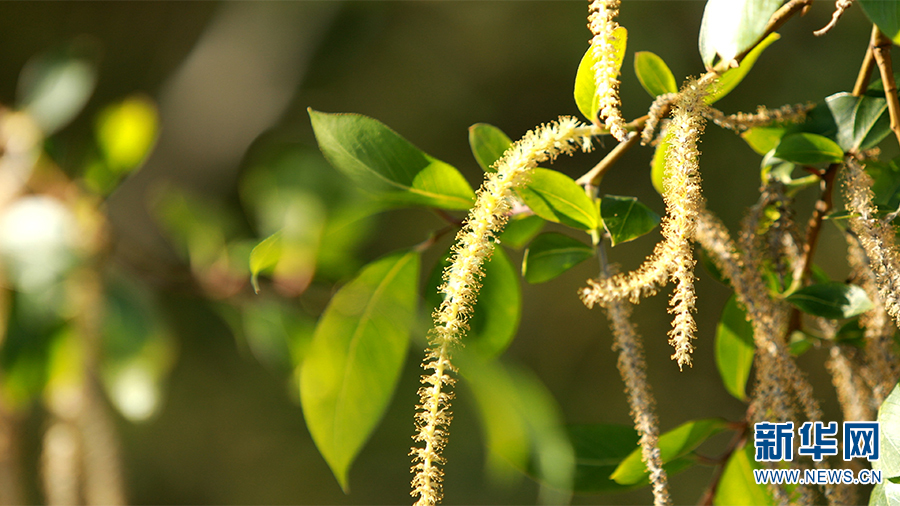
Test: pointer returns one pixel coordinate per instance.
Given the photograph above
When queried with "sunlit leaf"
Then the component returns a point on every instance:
(354, 361)
(654, 74)
(676, 443)
(55, 86)
(886, 493)
(381, 161)
(658, 165)
(732, 77)
(734, 349)
(556, 197)
(831, 300)
(126, 132)
(862, 122)
(264, 257)
(889, 436)
(808, 149)
(737, 486)
(730, 27)
(488, 144)
(763, 139)
(625, 218)
(551, 254)
(521, 229)
(498, 309)
(586, 97)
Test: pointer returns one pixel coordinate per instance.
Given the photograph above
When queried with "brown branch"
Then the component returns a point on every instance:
(593, 176)
(840, 7)
(737, 441)
(881, 48)
(865, 71)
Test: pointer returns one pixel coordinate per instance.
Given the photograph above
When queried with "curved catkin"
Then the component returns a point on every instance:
(673, 257)
(474, 245)
(602, 23)
(655, 114)
(875, 236)
(640, 398)
(743, 121)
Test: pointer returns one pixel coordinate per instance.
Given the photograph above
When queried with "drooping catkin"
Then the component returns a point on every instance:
(602, 23)
(640, 398)
(875, 236)
(673, 257)
(474, 245)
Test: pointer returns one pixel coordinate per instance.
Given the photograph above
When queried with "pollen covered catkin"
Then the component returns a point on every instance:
(462, 281)
(602, 23)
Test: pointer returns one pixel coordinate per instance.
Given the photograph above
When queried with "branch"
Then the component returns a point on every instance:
(865, 71)
(593, 176)
(881, 48)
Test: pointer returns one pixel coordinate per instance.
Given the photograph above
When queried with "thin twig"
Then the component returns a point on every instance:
(737, 441)
(593, 176)
(881, 48)
(839, 8)
(865, 71)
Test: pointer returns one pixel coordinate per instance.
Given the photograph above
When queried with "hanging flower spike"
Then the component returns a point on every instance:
(602, 23)
(462, 280)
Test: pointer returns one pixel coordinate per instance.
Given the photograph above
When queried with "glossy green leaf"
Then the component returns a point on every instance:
(586, 97)
(885, 183)
(658, 165)
(599, 448)
(808, 149)
(732, 77)
(676, 443)
(734, 349)
(862, 122)
(381, 161)
(730, 27)
(831, 300)
(654, 74)
(55, 86)
(498, 309)
(737, 486)
(488, 144)
(356, 356)
(521, 229)
(625, 218)
(885, 14)
(264, 257)
(551, 254)
(521, 420)
(889, 436)
(556, 197)
(763, 139)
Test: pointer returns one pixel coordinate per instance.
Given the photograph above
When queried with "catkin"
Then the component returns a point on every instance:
(602, 23)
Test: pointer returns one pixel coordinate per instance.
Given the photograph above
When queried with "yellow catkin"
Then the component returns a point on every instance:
(672, 258)
(474, 245)
(602, 23)
(743, 121)
(657, 111)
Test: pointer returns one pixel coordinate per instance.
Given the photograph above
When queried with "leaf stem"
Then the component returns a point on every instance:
(736, 442)
(881, 49)
(593, 176)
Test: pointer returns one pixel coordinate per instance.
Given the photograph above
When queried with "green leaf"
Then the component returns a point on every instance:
(355, 358)
(886, 493)
(831, 300)
(730, 27)
(599, 448)
(264, 257)
(521, 419)
(734, 348)
(676, 443)
(488, 144)
(889, 437)
(654, 74)
(732, 77)
(862, 122)
(885, 14)
(586, 97)
(885, 183)
(625, 218)
(737, 487)
(381, 161)
(763, 139)
(498, 309)
(520, 230)
(126, 132)
(808, 149)
(552, 254)
(556, 197)
(658, 165)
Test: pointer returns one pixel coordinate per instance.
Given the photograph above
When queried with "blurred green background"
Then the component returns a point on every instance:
(233, 80)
